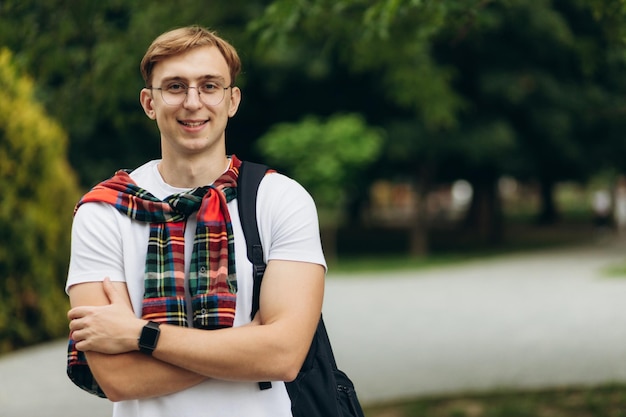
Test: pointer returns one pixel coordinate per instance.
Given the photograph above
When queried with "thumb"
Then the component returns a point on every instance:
(110, 290)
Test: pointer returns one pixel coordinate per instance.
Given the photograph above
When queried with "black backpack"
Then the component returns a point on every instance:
(320, 390)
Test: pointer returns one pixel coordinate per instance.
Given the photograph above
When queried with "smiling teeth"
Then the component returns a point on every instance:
(193, 124)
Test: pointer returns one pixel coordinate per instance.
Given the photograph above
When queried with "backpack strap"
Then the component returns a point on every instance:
(250, 176)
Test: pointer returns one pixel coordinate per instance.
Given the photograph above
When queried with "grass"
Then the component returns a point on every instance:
(396, 262)
(604, 401)
(615, 271)
(454, 247)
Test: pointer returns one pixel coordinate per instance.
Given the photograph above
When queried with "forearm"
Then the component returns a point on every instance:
(133, 375)
(254, 353)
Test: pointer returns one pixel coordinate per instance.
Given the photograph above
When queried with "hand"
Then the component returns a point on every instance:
(110, 329)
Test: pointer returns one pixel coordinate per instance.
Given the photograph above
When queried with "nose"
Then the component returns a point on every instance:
(192, 100)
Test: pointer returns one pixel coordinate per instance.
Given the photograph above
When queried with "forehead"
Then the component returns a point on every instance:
(197, 63)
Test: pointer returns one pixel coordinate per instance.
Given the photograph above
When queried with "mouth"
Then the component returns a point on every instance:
(192, 123)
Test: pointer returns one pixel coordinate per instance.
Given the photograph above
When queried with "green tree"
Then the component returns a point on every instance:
(477, 89)
(326, 157)
(38, 191)
(385, 47)
(544, 70)
(390, 38)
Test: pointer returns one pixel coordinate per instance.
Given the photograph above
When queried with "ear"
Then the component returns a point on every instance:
(235, 99)
(145, 98)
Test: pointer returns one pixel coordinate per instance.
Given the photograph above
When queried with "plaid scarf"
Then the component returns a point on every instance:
(212, 278)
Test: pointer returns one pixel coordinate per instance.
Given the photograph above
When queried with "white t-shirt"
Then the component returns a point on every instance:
(108, 243)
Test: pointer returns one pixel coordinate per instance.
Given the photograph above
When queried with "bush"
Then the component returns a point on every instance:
(38, 190)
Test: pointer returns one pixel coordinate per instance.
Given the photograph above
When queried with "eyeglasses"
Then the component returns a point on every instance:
(174, 94)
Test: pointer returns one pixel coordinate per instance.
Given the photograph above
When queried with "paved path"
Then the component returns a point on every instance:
(526, 321)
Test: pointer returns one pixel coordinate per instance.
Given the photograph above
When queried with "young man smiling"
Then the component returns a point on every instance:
(159, 281)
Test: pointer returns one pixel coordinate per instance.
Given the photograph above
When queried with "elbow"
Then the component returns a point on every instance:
(289, 368)
(285, 374)
(113, 390)
(290, 360)
(114, 395)
(290, 374)
(109, 377)
(117, 389)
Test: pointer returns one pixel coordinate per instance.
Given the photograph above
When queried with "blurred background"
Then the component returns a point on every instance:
(423, 129)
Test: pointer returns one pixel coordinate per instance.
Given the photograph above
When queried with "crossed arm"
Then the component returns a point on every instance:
(272, 347)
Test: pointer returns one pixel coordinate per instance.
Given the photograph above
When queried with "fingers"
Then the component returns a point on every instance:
(77, 334)
(80, 342)
(77, 313)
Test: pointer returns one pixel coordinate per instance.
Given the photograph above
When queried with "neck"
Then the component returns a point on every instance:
(192, 173)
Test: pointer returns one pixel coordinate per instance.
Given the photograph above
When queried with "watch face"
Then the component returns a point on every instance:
(149, 336)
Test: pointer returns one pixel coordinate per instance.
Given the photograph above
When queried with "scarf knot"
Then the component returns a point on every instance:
(186, 204)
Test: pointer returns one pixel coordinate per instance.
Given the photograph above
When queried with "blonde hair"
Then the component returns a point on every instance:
(181, 40)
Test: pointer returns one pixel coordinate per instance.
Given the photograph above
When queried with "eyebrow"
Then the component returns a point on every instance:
(203, 77)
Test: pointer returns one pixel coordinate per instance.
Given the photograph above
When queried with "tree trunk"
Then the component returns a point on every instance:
(419, 245)
(418, 232)
(548, 213)
(328, 234)
(485, 214)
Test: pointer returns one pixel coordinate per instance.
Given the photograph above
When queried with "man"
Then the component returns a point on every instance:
(128, 268)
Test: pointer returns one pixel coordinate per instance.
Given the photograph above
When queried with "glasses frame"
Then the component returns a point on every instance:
(161, 89)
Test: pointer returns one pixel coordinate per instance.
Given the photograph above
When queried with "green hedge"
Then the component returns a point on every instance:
(37, 192)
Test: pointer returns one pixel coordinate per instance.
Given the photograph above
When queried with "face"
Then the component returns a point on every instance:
(191, 127)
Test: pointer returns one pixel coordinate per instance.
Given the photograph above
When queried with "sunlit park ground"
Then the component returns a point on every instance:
(604, 400)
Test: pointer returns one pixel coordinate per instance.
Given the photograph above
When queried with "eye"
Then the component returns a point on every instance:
(209, 88)
(176, 88)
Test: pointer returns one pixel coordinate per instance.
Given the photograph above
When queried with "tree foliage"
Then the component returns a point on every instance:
(479, 89)
(544, 70)
(391, 38)
(326, 157)
(38, 190)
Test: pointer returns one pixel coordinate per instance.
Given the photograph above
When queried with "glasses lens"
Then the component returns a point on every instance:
(173, 99)
(210, 97)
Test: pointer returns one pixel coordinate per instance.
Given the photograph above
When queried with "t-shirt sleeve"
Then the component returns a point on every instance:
(96, 246)
(288, 221)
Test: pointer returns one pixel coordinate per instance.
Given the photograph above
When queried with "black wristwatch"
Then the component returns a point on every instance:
(149, 337)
